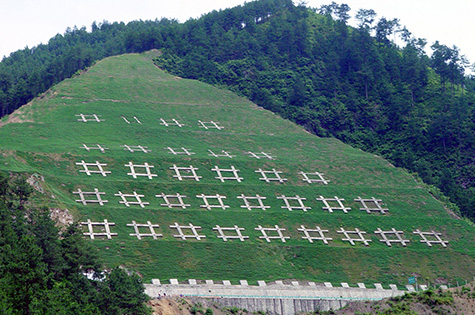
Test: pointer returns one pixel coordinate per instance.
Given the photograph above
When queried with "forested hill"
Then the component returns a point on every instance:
(306, 64)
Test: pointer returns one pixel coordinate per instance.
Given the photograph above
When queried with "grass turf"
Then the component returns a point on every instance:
(47, 140)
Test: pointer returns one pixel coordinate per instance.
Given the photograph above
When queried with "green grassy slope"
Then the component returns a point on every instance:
(45, 137)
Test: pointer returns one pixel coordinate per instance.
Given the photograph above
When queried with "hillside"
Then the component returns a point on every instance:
(131, 96)
(361, 84)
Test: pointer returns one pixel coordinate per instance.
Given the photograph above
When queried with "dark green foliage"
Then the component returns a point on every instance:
(233, 310)
(122, 294)
(41, 267)
(438, 301)
(312, 68)
(196, 309)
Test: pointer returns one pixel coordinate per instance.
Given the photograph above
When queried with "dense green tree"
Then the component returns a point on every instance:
(385, 28)
(41, 268)
(449, 64)
(365, 18)
(122, 294)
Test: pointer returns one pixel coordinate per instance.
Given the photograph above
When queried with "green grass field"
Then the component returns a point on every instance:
(45, 137)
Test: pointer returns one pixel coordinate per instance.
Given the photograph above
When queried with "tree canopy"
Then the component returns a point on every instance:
(42, 267)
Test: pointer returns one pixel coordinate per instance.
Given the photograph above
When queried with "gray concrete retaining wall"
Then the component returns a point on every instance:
(274, 298)
(279, 306)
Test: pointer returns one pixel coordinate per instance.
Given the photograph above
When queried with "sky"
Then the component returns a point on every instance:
(31, 22)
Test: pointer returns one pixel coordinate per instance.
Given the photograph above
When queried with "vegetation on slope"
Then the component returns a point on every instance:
(458, 300)
(42, 267)
(307, 65)
(49, 141)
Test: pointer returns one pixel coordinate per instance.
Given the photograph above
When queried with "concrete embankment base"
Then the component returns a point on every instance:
(279, 306)
(274, 299)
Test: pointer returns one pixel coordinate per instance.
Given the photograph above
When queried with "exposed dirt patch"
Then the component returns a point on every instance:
(167, 306)
(25, 113)
(16, 117)
(62, 217)
(36, 181)
(182, 306)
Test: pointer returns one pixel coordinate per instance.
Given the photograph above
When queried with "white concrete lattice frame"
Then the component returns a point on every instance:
(436, 235)
(128, 203)
(181, 170)
(173, 201)
(134, 117)
(267, 179)
(94, 147)
(170, 122)
(209, 125)
(83, 196)
(147, 168)
(276, 229)
(309, 234)
(206, 199)
(223, 154)
(184, 151)
(87, 118)
(235, 229)
(99, 168)
(105, 229)
(397, 237)
(136, 148)
(372, 205)
(233, 170)
(248, 202)
(192, 228)
(289, 200)
(314, 177)
(261, 155)
(360, 236)
(331, 207)
(151, 228)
